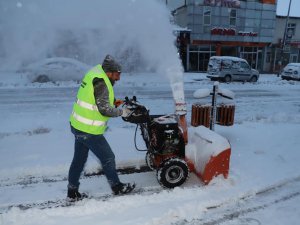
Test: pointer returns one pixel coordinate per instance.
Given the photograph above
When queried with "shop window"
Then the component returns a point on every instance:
(204, 48)
(232, 17)
(294, 58)
(193, 48)
(206, 15)
(268, 57)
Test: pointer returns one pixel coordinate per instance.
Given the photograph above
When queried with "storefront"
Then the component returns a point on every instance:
(198, 54)
(229, 28)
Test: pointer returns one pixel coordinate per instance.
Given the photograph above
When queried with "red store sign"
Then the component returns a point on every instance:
(232, 32)
(223, 31)
(223, 3)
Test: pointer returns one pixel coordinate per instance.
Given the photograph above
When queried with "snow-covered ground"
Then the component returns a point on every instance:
(263, 187)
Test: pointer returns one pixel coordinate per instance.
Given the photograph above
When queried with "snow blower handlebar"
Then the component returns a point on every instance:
(137, 112)
(132, 101)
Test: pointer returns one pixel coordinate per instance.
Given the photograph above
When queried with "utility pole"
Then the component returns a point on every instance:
(284, 35)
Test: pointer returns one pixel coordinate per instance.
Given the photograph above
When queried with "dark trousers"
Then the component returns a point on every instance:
(100, 147)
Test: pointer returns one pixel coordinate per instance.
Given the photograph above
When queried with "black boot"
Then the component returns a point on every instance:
(74, 195)
(122, 188)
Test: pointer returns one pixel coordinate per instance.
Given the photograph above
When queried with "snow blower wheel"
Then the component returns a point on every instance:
(172, 173)
(149, 160)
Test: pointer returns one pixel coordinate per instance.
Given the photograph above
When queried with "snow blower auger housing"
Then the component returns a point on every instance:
(164, 141)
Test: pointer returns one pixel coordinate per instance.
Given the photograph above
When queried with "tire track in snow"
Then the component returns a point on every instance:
(260, 200)
(52, 179)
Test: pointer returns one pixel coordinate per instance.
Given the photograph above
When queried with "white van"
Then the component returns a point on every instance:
(228, 68)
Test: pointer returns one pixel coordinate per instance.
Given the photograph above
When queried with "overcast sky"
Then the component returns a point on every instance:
(282, 6)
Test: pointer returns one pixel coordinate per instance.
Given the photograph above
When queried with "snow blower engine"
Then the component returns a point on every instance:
(164, 141)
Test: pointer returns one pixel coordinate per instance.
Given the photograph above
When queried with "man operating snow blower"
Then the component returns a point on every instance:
(94, 106)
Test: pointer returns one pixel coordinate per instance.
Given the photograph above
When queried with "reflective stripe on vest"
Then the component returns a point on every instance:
(88, 121)
(87, 105)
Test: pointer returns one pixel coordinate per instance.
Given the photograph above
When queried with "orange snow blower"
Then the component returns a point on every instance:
(206, 153)
(168, 150)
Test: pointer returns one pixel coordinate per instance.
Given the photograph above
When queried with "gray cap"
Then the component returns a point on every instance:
(110, 65)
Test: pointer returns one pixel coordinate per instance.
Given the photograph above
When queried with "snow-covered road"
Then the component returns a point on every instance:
(263, 186)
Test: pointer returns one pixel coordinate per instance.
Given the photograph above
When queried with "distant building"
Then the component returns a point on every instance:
(244, 28)
(278, 55)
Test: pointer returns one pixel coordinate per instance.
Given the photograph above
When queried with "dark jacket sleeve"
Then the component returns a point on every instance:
(102, 99)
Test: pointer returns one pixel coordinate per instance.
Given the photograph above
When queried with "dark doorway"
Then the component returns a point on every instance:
(228, 51)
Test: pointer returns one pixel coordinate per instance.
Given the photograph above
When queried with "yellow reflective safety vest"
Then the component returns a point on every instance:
(85, 116)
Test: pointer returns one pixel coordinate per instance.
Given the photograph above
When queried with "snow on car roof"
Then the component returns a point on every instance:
(293, 64)
(228, 58)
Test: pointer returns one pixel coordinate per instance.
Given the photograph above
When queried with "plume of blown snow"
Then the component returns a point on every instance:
(137, 32)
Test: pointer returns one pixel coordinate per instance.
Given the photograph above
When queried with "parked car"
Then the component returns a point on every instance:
(228, 68)
(55, 69)
(291, 72)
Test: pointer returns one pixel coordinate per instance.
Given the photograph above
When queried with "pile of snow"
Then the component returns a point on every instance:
(202, 93)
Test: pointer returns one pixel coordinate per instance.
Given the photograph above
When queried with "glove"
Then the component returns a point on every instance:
(126, 112)
(118, 102)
